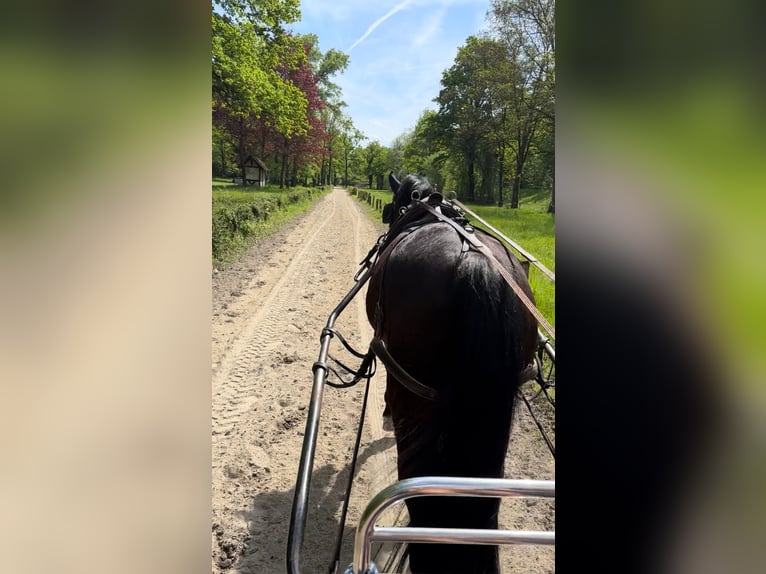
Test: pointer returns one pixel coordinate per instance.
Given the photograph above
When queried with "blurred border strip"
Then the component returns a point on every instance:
(105, 291)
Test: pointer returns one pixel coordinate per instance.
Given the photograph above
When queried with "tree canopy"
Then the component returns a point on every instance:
(491, 134)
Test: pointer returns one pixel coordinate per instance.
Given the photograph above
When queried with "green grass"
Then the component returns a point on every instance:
(219, 182)
(243, 215)
(532, 199)
(535, 232)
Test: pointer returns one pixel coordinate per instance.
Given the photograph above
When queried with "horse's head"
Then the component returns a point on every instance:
(411, 187)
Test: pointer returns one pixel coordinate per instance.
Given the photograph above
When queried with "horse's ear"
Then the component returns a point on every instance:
(393, 182)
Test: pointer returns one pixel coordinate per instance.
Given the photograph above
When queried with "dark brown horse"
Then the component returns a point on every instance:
(453, 324)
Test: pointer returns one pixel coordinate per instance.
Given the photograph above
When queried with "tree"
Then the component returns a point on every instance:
(348, 139)
(526, 29)
(326, 66)
(272, 91)
(332, 119)
(249, 63)
(422, 151)
(465, 108)
(375, 161)
(224, 153)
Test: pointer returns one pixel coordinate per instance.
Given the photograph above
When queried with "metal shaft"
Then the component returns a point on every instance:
(299, 511)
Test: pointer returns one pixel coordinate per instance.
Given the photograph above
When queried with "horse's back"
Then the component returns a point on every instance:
(437, 296)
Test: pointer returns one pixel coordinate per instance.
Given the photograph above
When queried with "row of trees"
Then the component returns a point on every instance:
(491, 134)
(494, 124)
(273, 95)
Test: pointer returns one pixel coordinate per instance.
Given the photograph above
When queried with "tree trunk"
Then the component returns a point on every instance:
(501, 157)
(471, 180)
(552, 204)
(520, 157)
(515, 191)
(242, 150)
(345, 174)
(283, 171)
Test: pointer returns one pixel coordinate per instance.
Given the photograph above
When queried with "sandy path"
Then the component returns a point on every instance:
(268, 312)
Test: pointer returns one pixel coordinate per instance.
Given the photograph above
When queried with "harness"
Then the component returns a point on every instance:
(433, 208)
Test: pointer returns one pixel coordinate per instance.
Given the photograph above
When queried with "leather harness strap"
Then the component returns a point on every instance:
(397, 371)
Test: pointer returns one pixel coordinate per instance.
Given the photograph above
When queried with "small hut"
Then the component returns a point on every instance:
(255, 171)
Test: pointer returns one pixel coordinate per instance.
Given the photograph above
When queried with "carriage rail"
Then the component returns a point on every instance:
(367, 532)
(526, 254)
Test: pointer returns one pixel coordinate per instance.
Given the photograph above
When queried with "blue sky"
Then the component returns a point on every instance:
(398, 50)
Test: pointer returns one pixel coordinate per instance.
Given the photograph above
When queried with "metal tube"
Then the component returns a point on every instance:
(299, 511)
(438, 486)
(547, 347)
(461, 536)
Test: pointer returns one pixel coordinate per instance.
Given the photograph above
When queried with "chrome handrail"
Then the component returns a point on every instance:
(367, 533)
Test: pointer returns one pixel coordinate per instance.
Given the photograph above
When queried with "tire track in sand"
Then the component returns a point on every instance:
(232, 393)
(261, 390)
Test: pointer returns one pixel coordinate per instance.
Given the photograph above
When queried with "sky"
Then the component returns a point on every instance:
(397, 51)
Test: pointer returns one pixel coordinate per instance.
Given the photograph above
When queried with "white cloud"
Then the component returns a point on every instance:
(430, 31)
(397, 60)
(399, 7)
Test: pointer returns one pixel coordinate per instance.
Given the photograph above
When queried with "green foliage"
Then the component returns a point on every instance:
(494, 125)
(267, 16)
(240, 217)
(375, 163)
(325, 66)
(246, 56)
(423, 152)
(535, 232)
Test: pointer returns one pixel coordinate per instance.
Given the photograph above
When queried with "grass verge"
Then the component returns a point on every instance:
(241, 216)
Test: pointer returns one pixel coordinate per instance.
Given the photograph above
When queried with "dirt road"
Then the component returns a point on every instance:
(268, 312)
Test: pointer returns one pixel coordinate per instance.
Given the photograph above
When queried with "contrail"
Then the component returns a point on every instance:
(379, 21)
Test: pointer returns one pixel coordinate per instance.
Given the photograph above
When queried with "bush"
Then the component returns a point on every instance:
(237, 215)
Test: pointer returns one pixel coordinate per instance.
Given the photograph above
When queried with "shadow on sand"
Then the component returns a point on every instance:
(269, 520)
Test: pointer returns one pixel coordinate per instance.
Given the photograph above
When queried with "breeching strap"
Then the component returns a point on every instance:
(402, 376)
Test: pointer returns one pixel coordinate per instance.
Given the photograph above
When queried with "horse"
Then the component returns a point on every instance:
(448, 321)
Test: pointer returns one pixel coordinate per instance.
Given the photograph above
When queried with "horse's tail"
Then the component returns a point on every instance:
(485, 360)
(492, 324)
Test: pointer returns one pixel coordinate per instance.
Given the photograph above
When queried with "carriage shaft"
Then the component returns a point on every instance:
(299, 510)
